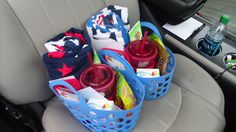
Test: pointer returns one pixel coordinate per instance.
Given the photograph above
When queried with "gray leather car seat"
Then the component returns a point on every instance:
(194, 103)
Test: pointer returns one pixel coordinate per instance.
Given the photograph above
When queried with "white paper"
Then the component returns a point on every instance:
(90, 93)
(101, 104)
(184, 29)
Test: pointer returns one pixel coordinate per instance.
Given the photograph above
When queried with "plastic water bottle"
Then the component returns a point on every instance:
(214, 36)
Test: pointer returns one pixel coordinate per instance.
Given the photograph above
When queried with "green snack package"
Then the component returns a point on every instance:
(125, 98)
(96, 59)
(136, 32)
(156, 38)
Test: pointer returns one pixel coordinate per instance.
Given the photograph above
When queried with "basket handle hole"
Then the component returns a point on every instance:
(112, 123)
(128, 115)
(167, 78)
(119, 126)
(164, 90)
(88, 121)
(159, 90)
(128, 121)
(160, 84)
(120, 120)
(165, 84)
(84, 122)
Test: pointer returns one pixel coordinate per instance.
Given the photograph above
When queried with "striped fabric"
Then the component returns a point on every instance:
(109, 28)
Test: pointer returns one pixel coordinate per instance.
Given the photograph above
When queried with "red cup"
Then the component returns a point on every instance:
(101, 78)
(142, 58)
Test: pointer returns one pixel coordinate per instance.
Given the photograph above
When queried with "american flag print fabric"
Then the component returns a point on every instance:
(67, 54)
(109, 28)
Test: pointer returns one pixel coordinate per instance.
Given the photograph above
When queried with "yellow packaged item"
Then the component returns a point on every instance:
(163, 54)
(125, 98)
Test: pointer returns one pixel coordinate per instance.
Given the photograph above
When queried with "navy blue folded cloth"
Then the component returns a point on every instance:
(67, 54)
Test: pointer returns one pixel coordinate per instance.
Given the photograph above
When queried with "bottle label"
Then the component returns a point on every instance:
(210, 45)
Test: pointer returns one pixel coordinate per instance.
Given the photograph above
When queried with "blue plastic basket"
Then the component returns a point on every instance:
(156, 87)
(104, 120)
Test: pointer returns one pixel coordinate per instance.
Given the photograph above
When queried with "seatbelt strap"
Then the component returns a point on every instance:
(19, 115)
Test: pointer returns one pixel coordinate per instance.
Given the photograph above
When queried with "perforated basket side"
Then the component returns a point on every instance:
(157, 87)
(103, 120)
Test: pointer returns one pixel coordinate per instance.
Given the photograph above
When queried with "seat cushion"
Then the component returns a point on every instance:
(191, 77)
(185, 108)
(57, 118)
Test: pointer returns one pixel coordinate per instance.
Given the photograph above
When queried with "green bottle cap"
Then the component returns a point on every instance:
(224, 19)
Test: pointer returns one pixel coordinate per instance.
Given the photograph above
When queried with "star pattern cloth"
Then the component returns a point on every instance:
(67, 54)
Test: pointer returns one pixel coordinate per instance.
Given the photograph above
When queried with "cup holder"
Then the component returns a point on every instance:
(199, 45)
(230, 61)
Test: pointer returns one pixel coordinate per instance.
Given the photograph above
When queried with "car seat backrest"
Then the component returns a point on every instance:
(23, 78)
(26, 26)
(43, 19)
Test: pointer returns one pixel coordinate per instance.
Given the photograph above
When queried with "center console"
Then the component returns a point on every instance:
(213, 64)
